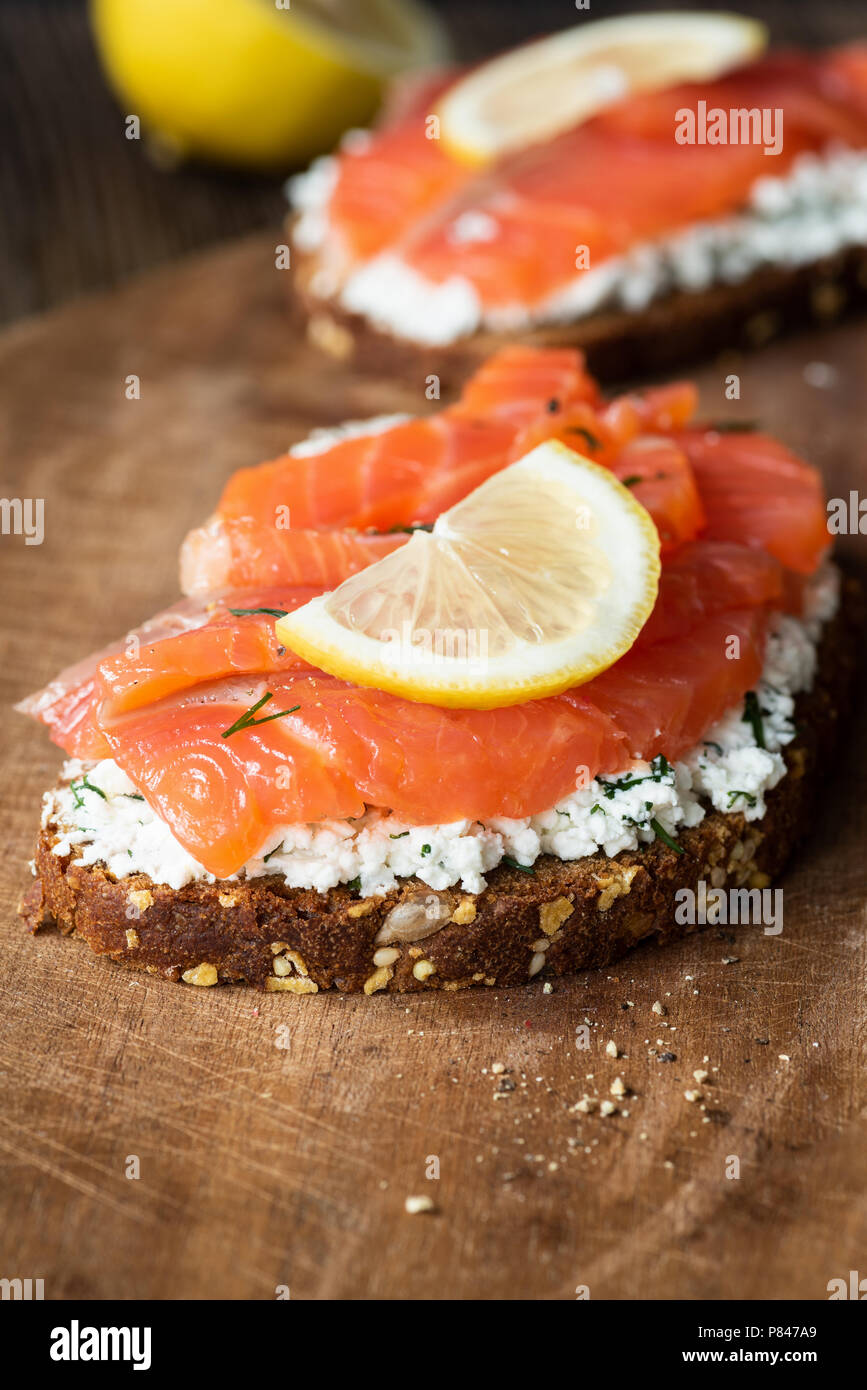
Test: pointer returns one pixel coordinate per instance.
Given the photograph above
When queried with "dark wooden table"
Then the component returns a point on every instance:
(83, 208)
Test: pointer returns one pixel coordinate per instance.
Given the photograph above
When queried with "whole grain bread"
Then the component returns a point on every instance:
(681, 328)
(559, 918)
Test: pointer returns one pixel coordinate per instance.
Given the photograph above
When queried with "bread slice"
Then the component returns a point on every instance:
(562, 917)
(677, 329)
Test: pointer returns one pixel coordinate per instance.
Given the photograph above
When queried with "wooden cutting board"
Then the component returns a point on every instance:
(264, 1164)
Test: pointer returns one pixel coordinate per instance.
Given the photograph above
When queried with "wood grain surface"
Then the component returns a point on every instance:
(265, 1165)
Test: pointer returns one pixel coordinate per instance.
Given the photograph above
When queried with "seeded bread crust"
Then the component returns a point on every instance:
(561, 918)
(680, 328)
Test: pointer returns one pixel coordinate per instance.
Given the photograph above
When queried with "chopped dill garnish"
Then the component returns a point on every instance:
(709, 743)
(592, 441)
(407, 530)
(632, 480)
(84, 786)
(246, 720)
(400, 836)
(748, 797)
(620, 784)
(662, 834)
(425, 849)
(354, 885)
(659, 768)
(248, 612)
(753, 715)
(134, 796)
(513, 864)
(272, 852)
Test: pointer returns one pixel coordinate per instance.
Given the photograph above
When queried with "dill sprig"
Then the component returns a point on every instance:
(662, 834)
(249, 612)
(246, 720)
(513, 864)
(752, 715)
(84, 786)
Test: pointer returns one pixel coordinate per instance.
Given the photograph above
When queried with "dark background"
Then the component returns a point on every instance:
(81, 207)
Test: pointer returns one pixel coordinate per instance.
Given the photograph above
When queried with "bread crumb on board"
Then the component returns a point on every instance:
(414, 1205)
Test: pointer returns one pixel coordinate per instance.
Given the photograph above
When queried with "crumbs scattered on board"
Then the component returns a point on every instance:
(656, 1091)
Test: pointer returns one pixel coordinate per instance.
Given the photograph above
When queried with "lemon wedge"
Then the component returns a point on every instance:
(260, 83)
(535, 582)
(534, 92)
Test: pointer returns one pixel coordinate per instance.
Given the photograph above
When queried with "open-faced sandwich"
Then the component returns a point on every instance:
(456, 700)
(649, 188)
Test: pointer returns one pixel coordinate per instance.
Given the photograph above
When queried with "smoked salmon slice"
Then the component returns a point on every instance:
(240, 552)
(709, 577)
(236, 637)
(756, 491)
(67, 705)
(370, 482)
(341, 747)
(307, 519)
(386, 179)
(601, 429)
(518, 382)
(316, 519)
(221, 795)
(659, 475)
(191, 642)
(663, 703)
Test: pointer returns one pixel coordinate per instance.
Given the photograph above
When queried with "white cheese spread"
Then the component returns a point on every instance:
(818, 208)
(310, 193)
(103, 820)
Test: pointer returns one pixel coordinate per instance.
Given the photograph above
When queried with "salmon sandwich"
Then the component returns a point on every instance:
(467, 699)
(648, 188)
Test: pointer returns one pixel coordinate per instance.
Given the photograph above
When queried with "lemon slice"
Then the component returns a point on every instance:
(535, 582)
(543, 88)
(257, 82)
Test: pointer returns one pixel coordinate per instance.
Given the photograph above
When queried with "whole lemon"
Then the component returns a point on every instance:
(260, 83)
